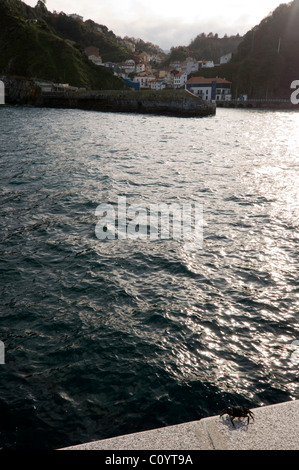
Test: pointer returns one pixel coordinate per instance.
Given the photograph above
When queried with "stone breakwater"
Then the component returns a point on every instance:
(24, 91)
(168, 102)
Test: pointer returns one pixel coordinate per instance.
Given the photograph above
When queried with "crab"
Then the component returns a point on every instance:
(238, 412)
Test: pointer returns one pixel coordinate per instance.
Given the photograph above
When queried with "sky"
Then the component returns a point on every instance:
(168, 23)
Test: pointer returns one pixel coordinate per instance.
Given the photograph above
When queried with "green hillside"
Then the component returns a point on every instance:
(204, 47)
(30, 47)
(266, 61)
(212, 47)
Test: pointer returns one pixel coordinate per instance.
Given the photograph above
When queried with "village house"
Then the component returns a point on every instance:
(206, 64)
(217, 89)
(158, 84)
(144, 79)
(144, 57)
(176, 65)
(179, 80)
(156, 59)
(92, 53)
(140, 67)
(169, 78)
(226, 58)
(115, 68)
(162, 74)
(189, 66)
(96, 59)
(131, 84)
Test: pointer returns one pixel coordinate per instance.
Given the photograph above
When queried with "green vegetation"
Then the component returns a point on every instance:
(143, 46)
(31, 47)
(179, 53)
(266, 61)
(88, 33)
(212, 47)
(205, 47)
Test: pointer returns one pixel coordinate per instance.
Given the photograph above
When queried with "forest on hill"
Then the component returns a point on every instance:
(40, 44)
(266, 60)
(205, 47)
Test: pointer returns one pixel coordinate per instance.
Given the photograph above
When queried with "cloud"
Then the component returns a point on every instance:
(167, 23)
(174, 32)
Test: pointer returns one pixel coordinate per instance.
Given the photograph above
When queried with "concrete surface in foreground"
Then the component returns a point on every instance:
(275, 427)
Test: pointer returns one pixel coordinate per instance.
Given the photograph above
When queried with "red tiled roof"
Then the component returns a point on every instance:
(203, 80)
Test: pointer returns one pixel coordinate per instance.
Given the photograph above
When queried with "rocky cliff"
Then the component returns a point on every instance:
(20, 90)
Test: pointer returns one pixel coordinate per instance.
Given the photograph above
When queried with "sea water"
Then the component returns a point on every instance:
(114, 336)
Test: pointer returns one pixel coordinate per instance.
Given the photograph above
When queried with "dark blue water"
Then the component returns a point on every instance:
(104, 338)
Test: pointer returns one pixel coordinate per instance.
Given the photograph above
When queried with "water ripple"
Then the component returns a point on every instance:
(106, 338)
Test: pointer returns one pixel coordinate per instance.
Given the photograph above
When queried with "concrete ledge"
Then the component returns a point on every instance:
(275, 427)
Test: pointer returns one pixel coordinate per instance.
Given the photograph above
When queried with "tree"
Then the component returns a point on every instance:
(41, 5)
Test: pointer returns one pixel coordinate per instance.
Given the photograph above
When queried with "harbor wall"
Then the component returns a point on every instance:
(22, 91)
(274, 427)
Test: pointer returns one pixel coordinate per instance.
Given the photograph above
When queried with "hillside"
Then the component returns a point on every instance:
(266, 60)
(204, 47)
(35, 43)
(212, 47)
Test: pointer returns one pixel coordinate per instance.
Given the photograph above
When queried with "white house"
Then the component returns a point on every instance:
(176, 65)
(158, 84)
(179, 80)
(140, 67)
(206, 64)
(226, 58)
(217, 89)
(144, 79)
(96, 59)
(190, 66)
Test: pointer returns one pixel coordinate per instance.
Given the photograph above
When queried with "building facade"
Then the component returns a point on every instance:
(216, 89)
(179, 80)
(225, 59)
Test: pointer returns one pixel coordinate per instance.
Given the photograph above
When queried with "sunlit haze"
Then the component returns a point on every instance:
(168, 23)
